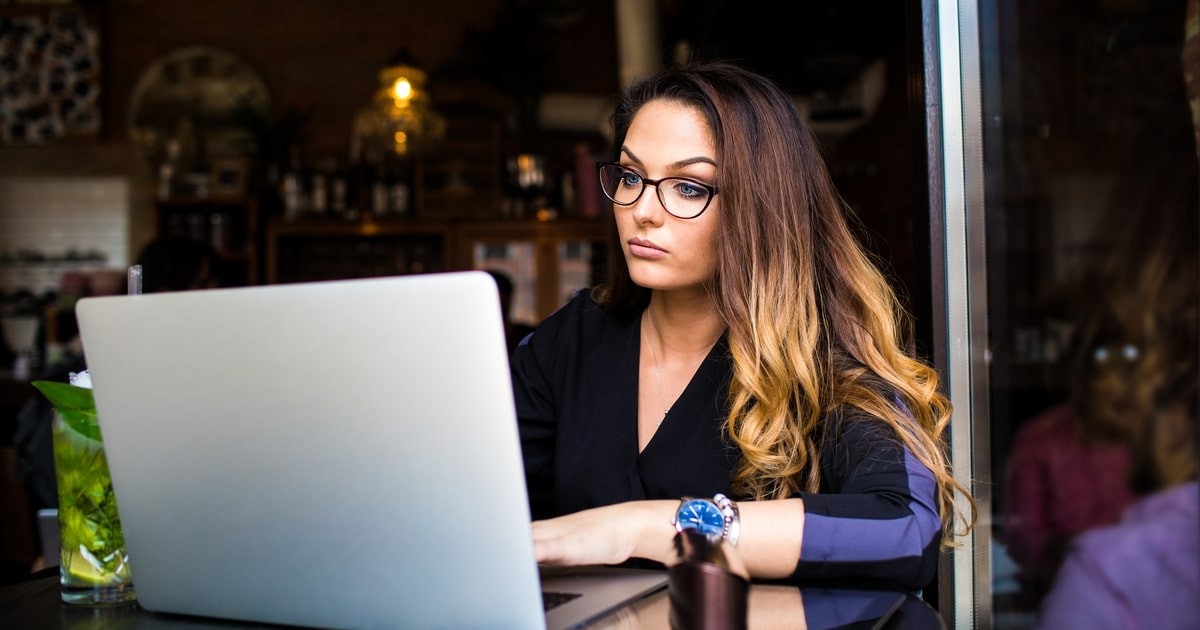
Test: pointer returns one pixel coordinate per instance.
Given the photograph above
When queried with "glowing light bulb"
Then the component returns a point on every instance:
(402, 90)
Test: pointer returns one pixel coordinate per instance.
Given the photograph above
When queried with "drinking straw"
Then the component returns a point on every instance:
(135, 280)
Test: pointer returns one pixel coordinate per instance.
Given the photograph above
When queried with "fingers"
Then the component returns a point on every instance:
(588, 537)
(560, 542)
(610, 534)
(546, 544)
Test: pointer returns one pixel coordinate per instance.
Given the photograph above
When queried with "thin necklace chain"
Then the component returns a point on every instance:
(662, 401)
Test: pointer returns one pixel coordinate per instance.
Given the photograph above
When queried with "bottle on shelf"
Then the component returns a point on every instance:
(295, 201)
(318, 191)
(398, 176)
(379, 186)
(358, 190)
(218, 232)
(339, 206)
(399, 197)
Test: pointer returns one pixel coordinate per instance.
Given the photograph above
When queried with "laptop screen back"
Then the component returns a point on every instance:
(328, 454)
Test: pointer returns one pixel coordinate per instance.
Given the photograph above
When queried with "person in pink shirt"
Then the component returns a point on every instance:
(1058, 483)
(1143, 571)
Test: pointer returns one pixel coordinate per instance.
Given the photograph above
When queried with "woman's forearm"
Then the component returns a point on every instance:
(769, 544)
(772, 535)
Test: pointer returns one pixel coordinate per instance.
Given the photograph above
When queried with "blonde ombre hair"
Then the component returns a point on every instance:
(813, 326)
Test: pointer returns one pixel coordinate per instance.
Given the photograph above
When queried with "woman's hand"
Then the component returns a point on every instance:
(772, 535)
(610, 534)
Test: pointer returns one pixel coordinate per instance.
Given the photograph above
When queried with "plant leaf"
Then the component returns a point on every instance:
(74, 404)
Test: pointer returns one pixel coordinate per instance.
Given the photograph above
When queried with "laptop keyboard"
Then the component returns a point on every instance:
(552, 599)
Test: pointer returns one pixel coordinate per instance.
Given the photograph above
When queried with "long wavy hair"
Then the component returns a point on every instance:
(813, 326)
(1133, 365)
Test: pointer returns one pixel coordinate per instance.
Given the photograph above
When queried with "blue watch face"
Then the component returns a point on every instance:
(701, 515)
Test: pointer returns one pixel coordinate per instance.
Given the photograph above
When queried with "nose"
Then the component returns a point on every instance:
(649, 208)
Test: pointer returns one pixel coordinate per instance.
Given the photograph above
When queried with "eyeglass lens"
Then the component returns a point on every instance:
(683, 198)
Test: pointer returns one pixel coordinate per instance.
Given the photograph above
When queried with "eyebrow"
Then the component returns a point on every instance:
(674, 165)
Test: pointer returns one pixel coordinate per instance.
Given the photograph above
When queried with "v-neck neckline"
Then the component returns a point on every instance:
(683, 403)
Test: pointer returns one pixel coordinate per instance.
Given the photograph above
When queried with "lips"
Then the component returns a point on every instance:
(645, 249)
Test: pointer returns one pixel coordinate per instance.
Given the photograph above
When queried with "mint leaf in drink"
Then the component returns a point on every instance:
(74, 404)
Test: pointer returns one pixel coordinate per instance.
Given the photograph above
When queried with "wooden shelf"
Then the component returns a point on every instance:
(311, 250)
(230, 225)
(548, 258)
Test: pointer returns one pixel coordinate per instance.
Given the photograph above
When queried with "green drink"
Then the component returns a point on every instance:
(94, 566)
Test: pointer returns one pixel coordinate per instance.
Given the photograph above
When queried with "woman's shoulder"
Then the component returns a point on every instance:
(853, 394)
(857, 416)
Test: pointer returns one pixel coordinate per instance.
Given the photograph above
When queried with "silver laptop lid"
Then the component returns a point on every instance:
(336, 454)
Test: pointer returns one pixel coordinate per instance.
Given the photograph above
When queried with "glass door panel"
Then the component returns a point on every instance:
(1090, 177)
(575, 268)
(517, 260)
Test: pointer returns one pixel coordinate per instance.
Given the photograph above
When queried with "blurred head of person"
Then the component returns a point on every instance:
(178, 264)
(504, 285)
(1135, 361)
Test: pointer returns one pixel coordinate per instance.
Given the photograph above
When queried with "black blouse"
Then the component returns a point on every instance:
(575, 383)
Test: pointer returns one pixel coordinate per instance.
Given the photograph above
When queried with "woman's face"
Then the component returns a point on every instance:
(663, 252)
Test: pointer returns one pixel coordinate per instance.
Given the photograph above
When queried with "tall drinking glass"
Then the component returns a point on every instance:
(94, 565)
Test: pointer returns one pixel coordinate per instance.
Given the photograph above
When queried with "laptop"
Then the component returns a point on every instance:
(327, 454)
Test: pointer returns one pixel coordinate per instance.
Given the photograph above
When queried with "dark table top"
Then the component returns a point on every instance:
(36, 604)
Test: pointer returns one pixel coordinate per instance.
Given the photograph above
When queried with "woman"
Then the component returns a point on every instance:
(1141, 571)
(744, 346)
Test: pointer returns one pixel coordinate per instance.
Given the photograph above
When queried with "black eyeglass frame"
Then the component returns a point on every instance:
(646, 181)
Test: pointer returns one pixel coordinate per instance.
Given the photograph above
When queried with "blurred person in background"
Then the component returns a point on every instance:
(178, 264)
(514, 331)
(1144, 570)
(1100, 504)
(1060, 479)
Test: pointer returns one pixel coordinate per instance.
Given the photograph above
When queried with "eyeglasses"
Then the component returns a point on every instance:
(682, 198)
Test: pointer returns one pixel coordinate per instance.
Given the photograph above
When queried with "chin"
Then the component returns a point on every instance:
(645, 282)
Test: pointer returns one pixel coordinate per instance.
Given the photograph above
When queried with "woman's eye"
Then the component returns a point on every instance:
(629, 178)
(688, 189)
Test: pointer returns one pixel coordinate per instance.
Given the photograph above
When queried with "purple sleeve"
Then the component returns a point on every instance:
(1141, 572)
(876, 517)
(1082, 598)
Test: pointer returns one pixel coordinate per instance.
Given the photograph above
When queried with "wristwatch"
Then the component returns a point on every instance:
(716, 518)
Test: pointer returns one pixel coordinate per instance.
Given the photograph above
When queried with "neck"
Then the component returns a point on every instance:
(684, 327)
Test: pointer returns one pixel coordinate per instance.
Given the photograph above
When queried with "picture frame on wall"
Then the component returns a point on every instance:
(51, 83)
(228, 177)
